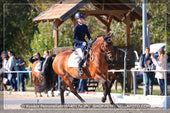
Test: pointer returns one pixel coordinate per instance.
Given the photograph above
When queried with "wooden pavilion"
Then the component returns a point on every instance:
(120, 10)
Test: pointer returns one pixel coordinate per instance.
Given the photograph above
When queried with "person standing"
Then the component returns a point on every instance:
(161, 64)
(146, 64)
(3, 75)
(37, 57)
(10, 67)
(20, 63)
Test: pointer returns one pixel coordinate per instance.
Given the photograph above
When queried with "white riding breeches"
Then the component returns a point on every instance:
(80, 53)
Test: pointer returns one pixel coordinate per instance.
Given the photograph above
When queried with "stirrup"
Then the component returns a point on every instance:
(80, 72)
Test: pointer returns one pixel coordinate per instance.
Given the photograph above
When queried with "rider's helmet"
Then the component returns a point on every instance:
(79, 15)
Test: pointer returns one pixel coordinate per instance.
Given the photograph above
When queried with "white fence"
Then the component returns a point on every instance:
(134, 78)
(17, 72)
(133, 71)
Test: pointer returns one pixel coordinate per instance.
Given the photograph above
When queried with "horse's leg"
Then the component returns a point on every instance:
(128, 81)
(107, 92)
(40, 94)
(109, 87)
(62, 89)
(47, 93)
(34, 82)
(69, 83)
(53, 88)
(120, 79)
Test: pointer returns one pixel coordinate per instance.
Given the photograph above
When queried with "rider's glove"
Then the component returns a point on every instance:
(90, 41)
(84, 44)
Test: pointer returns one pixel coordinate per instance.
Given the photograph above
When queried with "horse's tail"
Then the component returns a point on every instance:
(48, 75)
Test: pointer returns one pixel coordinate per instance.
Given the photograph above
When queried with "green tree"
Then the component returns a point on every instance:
(18, 27)
(43, 39)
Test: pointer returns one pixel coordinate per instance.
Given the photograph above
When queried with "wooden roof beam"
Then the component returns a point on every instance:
(103, 12)
(101, 19)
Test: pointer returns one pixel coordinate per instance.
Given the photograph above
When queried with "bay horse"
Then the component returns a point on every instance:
(37, 80)
(96, 68)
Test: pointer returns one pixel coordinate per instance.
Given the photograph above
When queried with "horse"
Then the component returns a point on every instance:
(96, 68)
(37, 79)
(2, 77)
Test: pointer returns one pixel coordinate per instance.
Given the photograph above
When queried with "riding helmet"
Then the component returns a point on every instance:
(79, 15)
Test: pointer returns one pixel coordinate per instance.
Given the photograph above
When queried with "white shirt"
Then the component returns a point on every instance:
(11, 63)
(160, 66)
(4, 64)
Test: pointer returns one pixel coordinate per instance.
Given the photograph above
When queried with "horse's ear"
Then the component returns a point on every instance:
(109, 35)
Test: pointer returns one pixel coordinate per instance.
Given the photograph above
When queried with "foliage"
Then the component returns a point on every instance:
(18, 27)
(25, 37)
(43, 39)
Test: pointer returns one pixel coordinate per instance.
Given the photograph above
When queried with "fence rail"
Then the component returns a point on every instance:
(134, 78)
(113, 71)
(18, 86)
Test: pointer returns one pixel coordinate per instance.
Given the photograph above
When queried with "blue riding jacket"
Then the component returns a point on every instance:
(80, 30)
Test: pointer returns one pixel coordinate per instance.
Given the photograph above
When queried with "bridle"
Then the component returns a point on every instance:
(105, 48)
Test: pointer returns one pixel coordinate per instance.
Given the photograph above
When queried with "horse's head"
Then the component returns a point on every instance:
(107, 46)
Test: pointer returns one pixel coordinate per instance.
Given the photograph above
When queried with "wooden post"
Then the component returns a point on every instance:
(73, 20)
(56, 25)
(109, 20)
(128, 30)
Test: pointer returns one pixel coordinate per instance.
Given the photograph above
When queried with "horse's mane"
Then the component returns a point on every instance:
(95, 40)
(104, 36)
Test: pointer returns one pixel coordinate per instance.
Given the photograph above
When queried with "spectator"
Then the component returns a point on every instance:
(20, 63)
(10, 67)
(46, 54)
(82, 86)
(40, 59)
(146, 64)
(3, 75)
(0, 62)
(161, 64)
(37, 57)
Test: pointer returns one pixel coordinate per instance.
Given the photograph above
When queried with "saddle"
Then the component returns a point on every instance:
(39, 65)
(74, 58)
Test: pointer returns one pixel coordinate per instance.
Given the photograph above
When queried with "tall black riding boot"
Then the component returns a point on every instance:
(80, 67)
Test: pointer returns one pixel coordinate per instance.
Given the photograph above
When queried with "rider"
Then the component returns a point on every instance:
(46, 55)
(40, 60)
(80, 30)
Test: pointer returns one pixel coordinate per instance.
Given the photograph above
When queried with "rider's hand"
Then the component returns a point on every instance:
(90, 41)
(84, 44)
(35, 54)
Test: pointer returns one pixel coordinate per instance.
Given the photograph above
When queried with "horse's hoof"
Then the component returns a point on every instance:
(47, 95)
(40, 95)
(83, 101)
(103, 99)
(114, 105)
(52, 95)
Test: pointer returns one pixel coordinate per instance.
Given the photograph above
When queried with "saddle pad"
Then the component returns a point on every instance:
(36, 69)
(73, 60)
